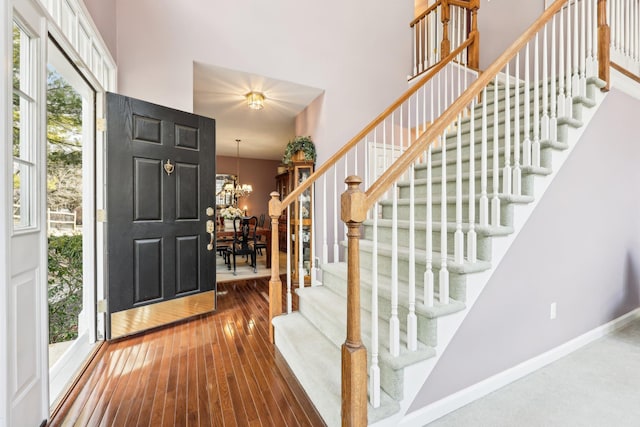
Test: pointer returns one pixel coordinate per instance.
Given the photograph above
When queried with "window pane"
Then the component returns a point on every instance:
(23, 144)
(16, 56)
(21, 193)
(16, 126)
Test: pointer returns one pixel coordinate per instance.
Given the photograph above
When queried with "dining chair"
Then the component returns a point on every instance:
(244, 241)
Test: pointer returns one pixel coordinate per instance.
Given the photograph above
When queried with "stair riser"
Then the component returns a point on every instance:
(384, 235)
(426, 326)
(421, 169)
(457, 282)
(506, 212)
(391, 381)
(420, 189)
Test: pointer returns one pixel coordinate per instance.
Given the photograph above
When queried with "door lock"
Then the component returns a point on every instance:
(211, 230)
(210, 211)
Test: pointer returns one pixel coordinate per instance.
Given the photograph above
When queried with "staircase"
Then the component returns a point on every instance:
(310, 339)
(467, 180)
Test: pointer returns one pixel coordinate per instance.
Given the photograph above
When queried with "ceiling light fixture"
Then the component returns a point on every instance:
(255, 100)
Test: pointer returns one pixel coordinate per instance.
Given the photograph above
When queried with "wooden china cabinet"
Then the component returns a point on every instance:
(301, 219)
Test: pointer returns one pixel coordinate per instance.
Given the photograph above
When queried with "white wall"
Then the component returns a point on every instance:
(357, 51)
(580, 249)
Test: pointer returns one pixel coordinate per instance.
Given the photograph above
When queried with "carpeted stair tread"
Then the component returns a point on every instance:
(366, 280)
(420, 255)
(508, 198)
(421, 226)
(316, 365)
(451, 177)
(332, 309)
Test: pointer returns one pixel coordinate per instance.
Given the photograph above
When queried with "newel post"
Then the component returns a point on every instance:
(474, 49)
(445, 46)
(354, 354)
(604, 43)
(275, 285)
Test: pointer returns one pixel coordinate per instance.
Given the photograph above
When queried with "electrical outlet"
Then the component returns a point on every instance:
(553, 312)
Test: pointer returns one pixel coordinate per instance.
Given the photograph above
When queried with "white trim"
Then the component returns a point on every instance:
(65, 369)
(463, 397)
(6, 220)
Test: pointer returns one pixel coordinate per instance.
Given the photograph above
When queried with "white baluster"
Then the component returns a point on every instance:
(582, 80)
(472, 240)
(444, 272)
(495, 200)
(288, 259)
(526, 143)
(553, 121)
(636, 27)
(590, 70)
(428, 274)
(484, 200)
(420, 49)
(325, 233)
(506, 172)
(626, 28)
(517, 171)
(616, 28)
(394, 323)
(561, 90)
(374, 371)
(300, 242)
(336, 246)
(313, 265)
(458, 237)
(415, 50)
(575, 75)
(535, 144)
(412, 320)
(568, 108)
(544, 120)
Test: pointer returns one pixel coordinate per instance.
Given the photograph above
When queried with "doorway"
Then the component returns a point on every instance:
(70, 224)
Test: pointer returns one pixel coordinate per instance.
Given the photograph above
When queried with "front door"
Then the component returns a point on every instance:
(160, 186)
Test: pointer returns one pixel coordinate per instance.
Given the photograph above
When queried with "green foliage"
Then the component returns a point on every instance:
(65, 287)
(64, 147)
(300, 143)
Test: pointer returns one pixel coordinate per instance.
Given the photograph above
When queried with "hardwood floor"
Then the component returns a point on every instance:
(216, 370)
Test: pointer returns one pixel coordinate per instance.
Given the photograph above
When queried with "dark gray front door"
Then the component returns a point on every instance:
(160, 182)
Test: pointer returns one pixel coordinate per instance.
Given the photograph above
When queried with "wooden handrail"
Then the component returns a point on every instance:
(625, 72)
(291, 197)
(466, 4)
(425, 13)
(400, 166)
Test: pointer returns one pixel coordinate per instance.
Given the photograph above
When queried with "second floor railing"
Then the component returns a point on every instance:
(625, 36)
(443, 27)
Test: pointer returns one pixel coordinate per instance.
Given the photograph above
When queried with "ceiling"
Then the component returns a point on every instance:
(220, 93)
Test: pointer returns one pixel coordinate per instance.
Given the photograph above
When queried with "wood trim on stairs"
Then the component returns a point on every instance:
(624, 71)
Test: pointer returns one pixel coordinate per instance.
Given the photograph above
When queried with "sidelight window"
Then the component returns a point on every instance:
(24, 135)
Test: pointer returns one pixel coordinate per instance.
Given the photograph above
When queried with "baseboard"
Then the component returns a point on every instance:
(463, 397)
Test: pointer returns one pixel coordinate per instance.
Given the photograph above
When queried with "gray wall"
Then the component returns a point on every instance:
(500, 22)
(580, 248)
(103, 13)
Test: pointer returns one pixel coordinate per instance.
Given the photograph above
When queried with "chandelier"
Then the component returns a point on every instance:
(236, 189)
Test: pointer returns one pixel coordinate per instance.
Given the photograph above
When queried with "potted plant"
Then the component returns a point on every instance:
(302, 144)
(229, 213)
